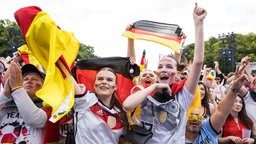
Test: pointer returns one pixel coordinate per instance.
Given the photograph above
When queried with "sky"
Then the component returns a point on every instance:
(100, 23)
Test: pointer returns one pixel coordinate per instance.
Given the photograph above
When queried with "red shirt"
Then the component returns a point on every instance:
(231, 128)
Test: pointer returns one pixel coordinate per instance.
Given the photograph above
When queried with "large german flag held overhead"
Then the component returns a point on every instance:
(162, 33)
(55, 49)
(26, 56)
(86, 69)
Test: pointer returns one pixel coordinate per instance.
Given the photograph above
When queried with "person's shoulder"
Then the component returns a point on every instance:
(206, 124)
(253, 95)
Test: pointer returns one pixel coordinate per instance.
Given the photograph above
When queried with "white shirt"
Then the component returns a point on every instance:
(96, 123)
(250, 106)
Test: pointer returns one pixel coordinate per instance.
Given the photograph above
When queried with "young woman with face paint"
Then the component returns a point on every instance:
(170, 110)
(99, 117)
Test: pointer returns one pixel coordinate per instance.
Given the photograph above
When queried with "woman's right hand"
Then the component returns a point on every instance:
(15, 78)
(199, 14)
(161, 86)
(16, 56)
(129, 27)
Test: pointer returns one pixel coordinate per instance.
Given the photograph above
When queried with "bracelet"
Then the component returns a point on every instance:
(15, 88)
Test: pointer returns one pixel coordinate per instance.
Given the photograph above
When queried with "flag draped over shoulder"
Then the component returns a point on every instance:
(196, 103)
(86, 69)
(162, 33)
(27, 56)
(55, 49)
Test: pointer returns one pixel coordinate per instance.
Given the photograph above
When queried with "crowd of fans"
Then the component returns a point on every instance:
(162, 99)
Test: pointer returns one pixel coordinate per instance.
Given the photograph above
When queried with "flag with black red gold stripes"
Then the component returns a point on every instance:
(27, 56)
(55, 49)
(162, 33)
(85, 72)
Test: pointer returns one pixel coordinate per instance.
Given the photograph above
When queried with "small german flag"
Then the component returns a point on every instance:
(142, 61)
(162, 33)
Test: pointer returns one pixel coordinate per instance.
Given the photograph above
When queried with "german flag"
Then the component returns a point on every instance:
(26, 56)
(142, 61)
(85, 72)
(55, 50)
(162, 33)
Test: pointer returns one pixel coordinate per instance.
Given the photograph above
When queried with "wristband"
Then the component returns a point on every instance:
(235, 90)
(15, 88)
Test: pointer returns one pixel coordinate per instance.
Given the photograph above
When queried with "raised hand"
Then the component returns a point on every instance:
(199, 14)
(15, 78)
(239, 77)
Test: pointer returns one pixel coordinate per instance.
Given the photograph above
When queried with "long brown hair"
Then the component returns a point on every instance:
(114, 103)
(205, 100)
(246, 120)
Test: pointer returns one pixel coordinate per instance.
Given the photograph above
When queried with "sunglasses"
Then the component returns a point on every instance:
(195, 117)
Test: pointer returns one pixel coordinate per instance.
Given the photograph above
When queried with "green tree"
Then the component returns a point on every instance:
(86, 52)
(245, 45)
(11, 38)
(212, 50)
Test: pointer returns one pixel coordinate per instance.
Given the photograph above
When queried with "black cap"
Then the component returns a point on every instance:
(31, 68)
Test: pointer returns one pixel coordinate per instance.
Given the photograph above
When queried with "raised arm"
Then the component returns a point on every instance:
(206, 72)
(246, 70)
(16, 58)
(31, 114)
(130, 46)
(245, 60)
(199, 14)
(218, 71)
(225, 106)
(177, 55)
(216, 63)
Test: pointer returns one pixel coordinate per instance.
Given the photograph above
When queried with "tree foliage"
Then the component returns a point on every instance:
(245, 45)
(11, 38)
(86, 52)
